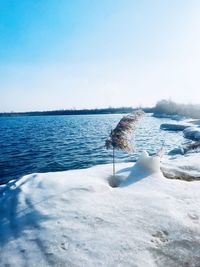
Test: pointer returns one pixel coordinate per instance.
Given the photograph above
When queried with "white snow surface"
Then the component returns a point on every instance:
(190, 129)
(192, 133)
(179, 126)
(183, 166)
(75, 218)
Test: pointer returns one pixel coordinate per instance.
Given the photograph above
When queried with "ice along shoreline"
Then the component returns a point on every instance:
(75, 218)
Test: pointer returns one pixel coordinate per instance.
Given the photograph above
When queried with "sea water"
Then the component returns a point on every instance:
(31, 144)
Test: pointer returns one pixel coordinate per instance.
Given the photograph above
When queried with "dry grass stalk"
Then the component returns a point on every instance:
(120, 137)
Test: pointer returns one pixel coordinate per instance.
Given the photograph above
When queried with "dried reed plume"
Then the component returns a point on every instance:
(120, 137)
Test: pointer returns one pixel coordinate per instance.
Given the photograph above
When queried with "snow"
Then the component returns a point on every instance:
(185, 167)
(75, 218)
(191, 129)
(178, 150)
(192, 133)
(174, 126)
(172, 117)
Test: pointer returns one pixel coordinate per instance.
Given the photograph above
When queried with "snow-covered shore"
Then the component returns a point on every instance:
(190, 128)
(174, 126)
(75, 218)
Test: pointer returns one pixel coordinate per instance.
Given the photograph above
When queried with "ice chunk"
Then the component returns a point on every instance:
(192, 133)
(174, 127)
(175, 151)
(148, 163)
(182, 167)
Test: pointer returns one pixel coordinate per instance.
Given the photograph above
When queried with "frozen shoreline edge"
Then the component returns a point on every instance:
(75, 217)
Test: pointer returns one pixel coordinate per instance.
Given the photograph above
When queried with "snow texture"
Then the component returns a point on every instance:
(173, 117)
(75, 218)
(185, 167)
(178, 150)
(192, 133)
(191, 130)
(174, 126)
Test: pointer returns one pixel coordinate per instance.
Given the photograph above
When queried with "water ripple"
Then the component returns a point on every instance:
(58, 143)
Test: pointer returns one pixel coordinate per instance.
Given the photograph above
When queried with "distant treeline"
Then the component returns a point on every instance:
(168, 107)
(74, 112)
(162, 108)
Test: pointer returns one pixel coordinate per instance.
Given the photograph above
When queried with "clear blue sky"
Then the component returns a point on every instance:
(57, 54)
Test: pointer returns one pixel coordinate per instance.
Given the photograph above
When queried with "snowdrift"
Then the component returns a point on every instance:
(192, 133)
(75, 218)
(174, 126)
(190, 129)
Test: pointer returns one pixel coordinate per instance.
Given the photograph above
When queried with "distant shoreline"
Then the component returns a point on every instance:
(104, 111)
(163, 108)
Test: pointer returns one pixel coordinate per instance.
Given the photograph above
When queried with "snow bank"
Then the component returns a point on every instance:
(194, 121)
(173, 117)
(190, 128)
(75, 218)
(174, 126)
(178, 150)
(192, 133)
(185, 167)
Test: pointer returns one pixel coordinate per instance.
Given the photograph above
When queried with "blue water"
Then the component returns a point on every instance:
(58, 143)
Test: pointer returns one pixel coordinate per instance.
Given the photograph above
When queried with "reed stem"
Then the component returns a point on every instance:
(113, 161)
